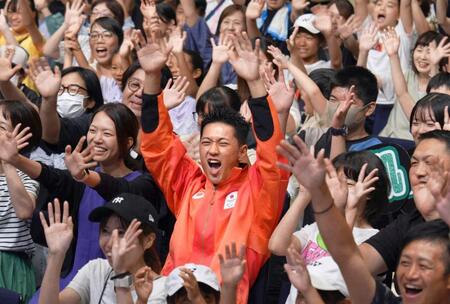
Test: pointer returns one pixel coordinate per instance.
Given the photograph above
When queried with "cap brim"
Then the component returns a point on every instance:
(99, 213)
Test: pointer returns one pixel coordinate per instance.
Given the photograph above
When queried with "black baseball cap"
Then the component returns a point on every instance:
(128, 206)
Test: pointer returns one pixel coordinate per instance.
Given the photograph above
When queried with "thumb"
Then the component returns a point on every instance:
(68, 150)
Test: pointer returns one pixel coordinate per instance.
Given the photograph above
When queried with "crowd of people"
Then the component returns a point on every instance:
(225, 151)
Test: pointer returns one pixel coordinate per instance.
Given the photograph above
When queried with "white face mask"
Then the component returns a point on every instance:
(69, 106)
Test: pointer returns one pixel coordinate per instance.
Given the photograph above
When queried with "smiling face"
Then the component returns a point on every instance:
(423, 122)
(219, 151)
(233, 24)
(421, 59)
(103, 139)
(385, 13)
(105, 240)
(307, 45)
(427, 152)
(100, 10)
(132, 93)
(103, 44)
(421, 273)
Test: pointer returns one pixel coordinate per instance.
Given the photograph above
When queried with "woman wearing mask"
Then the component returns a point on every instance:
(128, 225)
(94, 175)
(70, 99)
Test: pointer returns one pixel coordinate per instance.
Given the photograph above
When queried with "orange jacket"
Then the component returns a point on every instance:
(243, 209)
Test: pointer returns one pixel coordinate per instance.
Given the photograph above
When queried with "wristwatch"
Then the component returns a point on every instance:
(339, 131)
(125, 281)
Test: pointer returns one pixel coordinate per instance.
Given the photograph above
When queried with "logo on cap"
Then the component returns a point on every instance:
(117, 200)
(150, 218)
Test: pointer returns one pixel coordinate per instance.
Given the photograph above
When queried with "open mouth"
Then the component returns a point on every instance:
(412, 291)
(381, 18)
(101, 51)
(214, 166)
(99, 150)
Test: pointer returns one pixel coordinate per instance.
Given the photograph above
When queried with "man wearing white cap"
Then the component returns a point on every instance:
(310, 34)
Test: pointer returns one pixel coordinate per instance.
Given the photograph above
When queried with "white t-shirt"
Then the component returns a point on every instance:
(378, 63)
(313, 250)
(90, 280)
(182, 117)
(14, 232)
(321, 64)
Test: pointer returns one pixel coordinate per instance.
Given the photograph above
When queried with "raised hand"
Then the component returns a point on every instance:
(46, 81)
(279, 58)
(324, 24)
(391, 41)
(298, 5)
(175, 92)
(74, 9)
(9, 146)
(338, 119)
(176, 40)
(254, 9)
(148, 9)
(291, 42)
(152, 54)
(191, 285)
(438, 186)
(143, 283)
(282, 95)
(127, 45)
(349, 27)
(74, 27)
(442, 50)
(78, 161)
(368, 38)
(309, 170)
(191, 144)
(337, 184)
(245, 59)
(362, 187)
(221, 50)
(59, 230)
(122, 246)
(232, 267)
(296, 271)
(21, 137)
(3, 22)
(6, 69)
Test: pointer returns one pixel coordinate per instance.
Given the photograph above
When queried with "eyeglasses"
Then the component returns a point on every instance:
(135, 85)
(72, 89)
(104, 35)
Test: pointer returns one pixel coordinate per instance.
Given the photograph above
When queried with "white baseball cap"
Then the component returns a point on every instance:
(203, 274)
(306, 21)
(21, 56)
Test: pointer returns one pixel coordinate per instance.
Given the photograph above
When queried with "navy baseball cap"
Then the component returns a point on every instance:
(128, 206)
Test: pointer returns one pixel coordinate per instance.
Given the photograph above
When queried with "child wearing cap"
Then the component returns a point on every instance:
(128, 225)
(310, 34)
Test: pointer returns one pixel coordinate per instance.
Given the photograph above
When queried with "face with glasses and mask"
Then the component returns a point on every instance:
(73, 98)
(103, 44)
(133, 90)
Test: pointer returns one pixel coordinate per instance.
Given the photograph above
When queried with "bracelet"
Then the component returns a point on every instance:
(324, 210)
(85, 174)
(120, 275)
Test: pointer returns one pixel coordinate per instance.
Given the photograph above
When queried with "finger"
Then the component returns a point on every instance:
(285, 167)
(233, 250)
(242, 252)
(65, 212)
(80, 144)
(51, 215)
(227, 252)
(221, 259)
(57, 211)
(300, 144)
(290, 152)
(43, 220)
(362, 173)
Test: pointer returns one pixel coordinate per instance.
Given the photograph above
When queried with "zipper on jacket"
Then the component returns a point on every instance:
(208, 213)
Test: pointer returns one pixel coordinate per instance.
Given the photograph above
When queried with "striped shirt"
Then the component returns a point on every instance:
(14, 232)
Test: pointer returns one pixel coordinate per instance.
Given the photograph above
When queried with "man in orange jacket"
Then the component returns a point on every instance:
(225, 202)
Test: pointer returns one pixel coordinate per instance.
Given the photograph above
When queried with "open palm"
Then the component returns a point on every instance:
(232, 267)
(153, 57)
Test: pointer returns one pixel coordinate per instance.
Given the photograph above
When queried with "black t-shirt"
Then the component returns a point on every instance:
(389, 241)
(383, 295)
